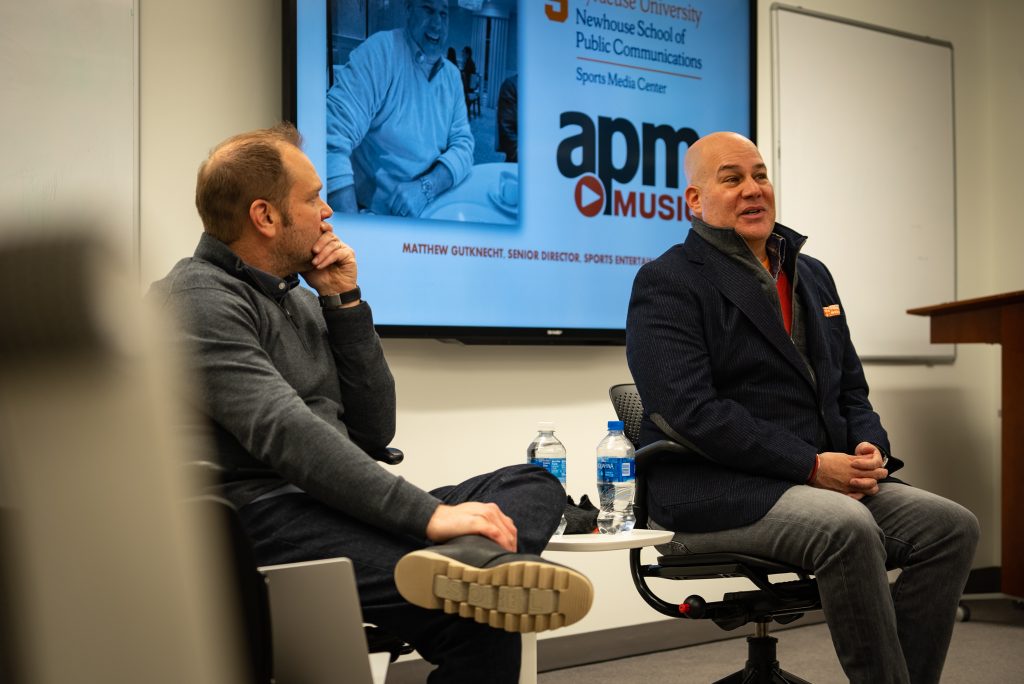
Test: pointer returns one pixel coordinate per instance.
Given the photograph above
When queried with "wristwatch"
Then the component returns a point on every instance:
(427, 187)
(336, 301)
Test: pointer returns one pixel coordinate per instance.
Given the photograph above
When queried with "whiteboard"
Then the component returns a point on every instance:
(864, 165)
(68, 73)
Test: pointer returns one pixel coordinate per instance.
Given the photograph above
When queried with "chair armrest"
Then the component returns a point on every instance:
(645, 456)
(663, 446)
(390, 456)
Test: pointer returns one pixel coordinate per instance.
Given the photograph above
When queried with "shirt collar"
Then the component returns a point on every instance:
(776, 249)
(417, 56)
(216, 252)
(272, 286)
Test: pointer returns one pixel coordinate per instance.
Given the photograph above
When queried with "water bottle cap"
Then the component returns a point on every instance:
(545, 426)
(616, 425)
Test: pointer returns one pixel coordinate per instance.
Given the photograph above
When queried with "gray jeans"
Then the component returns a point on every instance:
(880, 635)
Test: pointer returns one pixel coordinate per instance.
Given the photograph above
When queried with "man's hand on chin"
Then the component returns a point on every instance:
(334, 266)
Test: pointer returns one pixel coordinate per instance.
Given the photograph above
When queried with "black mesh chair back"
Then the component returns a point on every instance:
(626, 401)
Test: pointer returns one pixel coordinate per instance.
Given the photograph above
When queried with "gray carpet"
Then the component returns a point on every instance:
(981, 653)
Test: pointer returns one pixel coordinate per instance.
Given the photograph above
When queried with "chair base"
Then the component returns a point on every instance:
(762, 666)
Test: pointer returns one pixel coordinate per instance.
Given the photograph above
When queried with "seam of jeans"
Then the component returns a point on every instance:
(897, 587)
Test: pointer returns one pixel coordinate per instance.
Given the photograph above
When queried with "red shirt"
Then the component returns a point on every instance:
(785, 297)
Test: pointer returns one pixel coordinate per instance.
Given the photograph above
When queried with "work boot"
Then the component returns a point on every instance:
(475, 578)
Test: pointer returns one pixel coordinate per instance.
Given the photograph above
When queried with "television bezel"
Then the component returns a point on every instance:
(491, 335)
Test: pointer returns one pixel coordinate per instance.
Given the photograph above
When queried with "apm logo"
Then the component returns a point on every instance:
(589, 153)
(589, 196)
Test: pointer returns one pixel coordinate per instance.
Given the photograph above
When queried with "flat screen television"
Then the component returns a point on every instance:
(559, 125)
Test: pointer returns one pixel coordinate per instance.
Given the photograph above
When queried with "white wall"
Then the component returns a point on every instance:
(1005, 144)
(212, 69)
(208, 70)
(66, 74)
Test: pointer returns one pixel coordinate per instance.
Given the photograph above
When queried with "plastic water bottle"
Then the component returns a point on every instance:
(546, 451)
(616, 481)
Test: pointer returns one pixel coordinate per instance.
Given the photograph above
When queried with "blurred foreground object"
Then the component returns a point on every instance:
(103, 577)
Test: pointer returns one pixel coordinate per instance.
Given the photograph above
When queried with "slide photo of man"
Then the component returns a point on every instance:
(399, 137)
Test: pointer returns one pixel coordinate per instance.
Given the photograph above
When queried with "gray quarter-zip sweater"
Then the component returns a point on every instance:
(293, 395)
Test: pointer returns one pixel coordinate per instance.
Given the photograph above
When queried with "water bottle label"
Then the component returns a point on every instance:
(555, 466)
(612, 469)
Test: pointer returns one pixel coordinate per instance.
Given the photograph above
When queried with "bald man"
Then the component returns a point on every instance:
(740, 350)
(398, 133)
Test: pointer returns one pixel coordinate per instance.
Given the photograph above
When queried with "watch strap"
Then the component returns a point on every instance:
(336, 301)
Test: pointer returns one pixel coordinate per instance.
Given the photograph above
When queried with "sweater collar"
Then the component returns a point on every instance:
(782, 246)
(220, 255)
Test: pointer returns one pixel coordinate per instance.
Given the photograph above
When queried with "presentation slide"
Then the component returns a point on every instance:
(509, 164)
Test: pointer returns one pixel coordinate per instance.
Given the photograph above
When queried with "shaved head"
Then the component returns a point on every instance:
(728, 187)
(699, 160)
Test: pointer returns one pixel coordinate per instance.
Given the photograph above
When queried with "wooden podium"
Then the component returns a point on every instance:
(998, 319)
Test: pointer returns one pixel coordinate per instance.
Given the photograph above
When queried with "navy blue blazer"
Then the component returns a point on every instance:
(717, 370)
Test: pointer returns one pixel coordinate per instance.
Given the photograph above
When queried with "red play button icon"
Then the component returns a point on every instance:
(589, 196)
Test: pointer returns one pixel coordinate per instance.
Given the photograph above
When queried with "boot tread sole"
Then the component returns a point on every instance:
(519, 596)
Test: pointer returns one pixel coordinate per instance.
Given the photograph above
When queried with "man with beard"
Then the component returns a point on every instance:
(298, 398)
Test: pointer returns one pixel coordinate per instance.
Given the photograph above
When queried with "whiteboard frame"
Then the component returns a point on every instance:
(944, 353)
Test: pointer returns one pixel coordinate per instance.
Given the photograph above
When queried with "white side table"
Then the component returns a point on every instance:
(585, 542)
(633, 539)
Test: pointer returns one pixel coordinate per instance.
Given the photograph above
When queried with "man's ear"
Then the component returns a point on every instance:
(264, 217)
(692, 201)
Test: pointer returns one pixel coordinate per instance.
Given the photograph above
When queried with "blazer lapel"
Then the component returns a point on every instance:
(813, 321)
(741, 288)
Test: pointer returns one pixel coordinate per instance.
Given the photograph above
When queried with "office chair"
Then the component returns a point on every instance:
(782, 602)
(279, 607)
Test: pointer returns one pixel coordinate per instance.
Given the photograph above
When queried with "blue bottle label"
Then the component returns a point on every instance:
(613, 469)
(555, 466)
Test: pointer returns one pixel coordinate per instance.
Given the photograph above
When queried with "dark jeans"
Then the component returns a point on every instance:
(296, 527)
